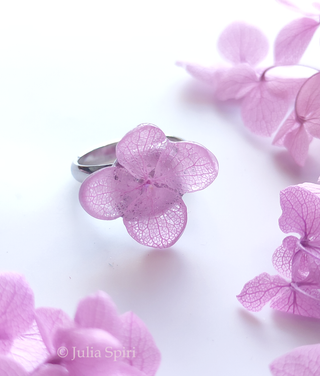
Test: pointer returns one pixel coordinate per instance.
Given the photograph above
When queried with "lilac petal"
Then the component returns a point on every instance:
(107, 193)
(293, 40)
(237, 82)
(305, 7)
(300, 212)
(48, 321)
(302, 301)
(260, 290)
(29, 349)
(311, 187)
(147, 356)
(98, 311)
(9, 367)
(283, 256)
(308, 105)
(84, 351)
(16, 305)
(50, 370)
(140, 149)
(264, 107)
(186, 167)
(297, 142)
(242, 43)
(209, 75)
(288, 126)
(303, 360)
(157, 218)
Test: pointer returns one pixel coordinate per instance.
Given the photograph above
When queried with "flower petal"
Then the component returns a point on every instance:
(124, 369)
(308, 105)
(236, 82)
(9, 367)
(297, 142)
(50, 370)
(300, 213)
(293, 40)
(157, 218)
(186, 167)
(242, 43)
(260, 290)
(140, 149)
(302, 302)
(209, 75)
(16, 305)
(264, 107)
(288, 126)
(147, 356)
(48, 321)
(303, 360)
(107, 193)
(283, 256)
(98, 311)
(28, 349)
(84, 351)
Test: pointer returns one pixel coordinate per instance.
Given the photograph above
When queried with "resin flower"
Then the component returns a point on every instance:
(146, 183)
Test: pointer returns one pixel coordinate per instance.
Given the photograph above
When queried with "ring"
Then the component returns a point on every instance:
(99, 158)
(142, 179)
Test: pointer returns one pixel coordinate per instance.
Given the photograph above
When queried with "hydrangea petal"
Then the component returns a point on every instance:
(98, 311)
(48, 321)
(300, 212)
(242, 43)
(51, 370)
(16, 305)
(297, 142)
(136, 336)
(209, 75)
(293, 40)
(28, 349)
(186, 167)
(303, 360)
(308, 105)
(308, 8)
(288, 126)
(107, 193)
(283, 256)
(236, 82)
(264, 107)
(157, 218)
(260, 290)
(9, 367)
(140, 149)
(86, 351)
(299, 301)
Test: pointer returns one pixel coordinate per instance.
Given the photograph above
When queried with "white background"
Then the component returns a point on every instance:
(75, 75)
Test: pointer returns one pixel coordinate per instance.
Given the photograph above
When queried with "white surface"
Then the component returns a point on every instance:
(76, 74)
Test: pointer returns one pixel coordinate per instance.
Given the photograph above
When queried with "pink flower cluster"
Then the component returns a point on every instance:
(297, 260)
(47, 342)
(266, 99)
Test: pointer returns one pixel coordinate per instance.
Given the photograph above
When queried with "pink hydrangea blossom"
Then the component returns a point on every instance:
(146, 184)
(303, 360)
(46, 342)
(265, 99)
(297, 260)
(303, 123)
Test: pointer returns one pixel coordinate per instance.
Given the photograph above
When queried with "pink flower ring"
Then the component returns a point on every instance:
(142, 179)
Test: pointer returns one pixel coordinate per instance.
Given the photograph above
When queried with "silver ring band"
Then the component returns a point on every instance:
(96, 159)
